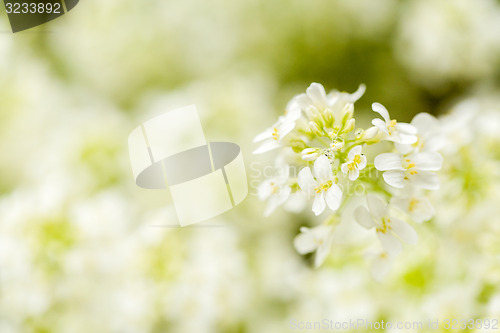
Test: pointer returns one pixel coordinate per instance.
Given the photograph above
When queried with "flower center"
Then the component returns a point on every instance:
(391, 126)
(355, 162)
(413, 204)
(385, 225)
(274, 188)
(323, 187)
(276, 135)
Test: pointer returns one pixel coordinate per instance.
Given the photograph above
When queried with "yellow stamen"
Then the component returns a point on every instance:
(275, 134)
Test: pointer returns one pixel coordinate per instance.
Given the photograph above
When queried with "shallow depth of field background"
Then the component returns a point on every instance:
(80, 245)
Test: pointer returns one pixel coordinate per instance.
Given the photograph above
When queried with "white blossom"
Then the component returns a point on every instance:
(418, 208)
(322, 188)
(429, 135)
(394, 131)
(355, 162)
(413, 169)
(390, 230)
(317, 239)
(275, 190)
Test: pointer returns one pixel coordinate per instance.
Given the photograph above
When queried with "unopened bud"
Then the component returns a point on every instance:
(297, 145)
(350, 125)
(315, 128)
(370, 133)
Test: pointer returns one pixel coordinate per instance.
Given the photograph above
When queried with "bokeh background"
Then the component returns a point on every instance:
(82, 249)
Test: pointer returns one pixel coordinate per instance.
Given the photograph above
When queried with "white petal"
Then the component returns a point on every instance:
(305, 241)
(267, 134)
(395, 178)
(358, 93)
(379, 108)
(422, 210)
(376, 206)
(277, 200)
(319, 205)
(303, 101)
(333, 197)
(362, 164)
(427, 161)
(379, 124)
(285, 128)
(363, 217)
(306, 181)
(403, 149)
(404, 231)
(293, 111)
(344, 168)
(406, 139)
(316, 92)
(381, 266)
(323, 169)
(267, 146)
(265, 189)
(405, 128)
(323, 251)
(388, 161)
(390, 243)
(353, 174)
(425, 123)
(353, 152)
(426, 180)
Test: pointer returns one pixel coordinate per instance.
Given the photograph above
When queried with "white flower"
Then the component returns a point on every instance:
(396, 132)
(390, 230)
(317, 239)
(316, 101)
(323, 187)
(276, 189)
(272, 136)
(419, 208)
(381, 266)
(413, 169)
(429, 135)
(355, 162)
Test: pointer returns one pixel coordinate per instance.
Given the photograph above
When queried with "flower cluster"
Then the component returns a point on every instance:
(317, 136)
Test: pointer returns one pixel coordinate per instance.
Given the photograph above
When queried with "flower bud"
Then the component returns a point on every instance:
(310, 154)
(348, 112)
(297, 145)
(315, 128)
(370, 133)
(350, 125)
(328, 117)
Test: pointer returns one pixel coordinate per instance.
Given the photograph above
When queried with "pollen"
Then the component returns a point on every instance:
(413, 204)
(276, 135)
(385, 226)
(323, 187)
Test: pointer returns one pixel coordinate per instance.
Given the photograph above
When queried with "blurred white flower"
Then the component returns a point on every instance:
(413, 169)
(355, 162)
(448, 40)
(430, 136)
(272, 136)
(323, 188)
(389, 229)
(381, 265)
(317, 239)
(418, 208)
(276, 189)
(394, 131)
